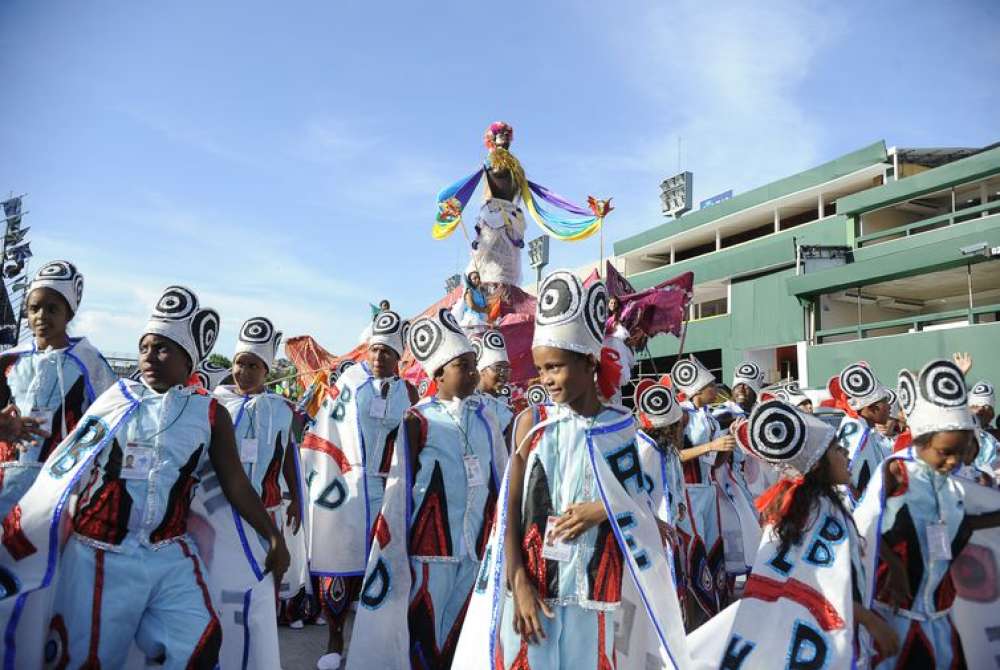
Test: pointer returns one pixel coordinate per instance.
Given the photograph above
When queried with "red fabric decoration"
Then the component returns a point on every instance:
(783, 490)
(610, 373)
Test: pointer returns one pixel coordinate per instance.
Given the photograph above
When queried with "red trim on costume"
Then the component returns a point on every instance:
(317, 443)
(213, 406)
(14, 539)
(534, 563)
(770, 590)
(520, 661)
(903, 440)
(537, 437)
(608, 578)
(902, 478)
(93, 660)
(603, 662)
(380, 531)
(213, 628)
(270, 487)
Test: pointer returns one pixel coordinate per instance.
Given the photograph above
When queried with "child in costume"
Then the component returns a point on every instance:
(982, 399)
(262, 422)
(577, 515)
(921, 518)
(706, 449)
(53, 379)
(808, 579)
(439, 503)
(345, 460)
(865, 402)
(748, 379)
(494, 371)
(129, 571)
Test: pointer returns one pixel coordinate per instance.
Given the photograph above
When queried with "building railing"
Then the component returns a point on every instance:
(911, 228)
(915, 322)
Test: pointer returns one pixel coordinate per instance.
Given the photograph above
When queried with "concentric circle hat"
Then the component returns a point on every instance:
(982, 395)
(689, 376)
(785, 437)
(749, 373)
(655, 404)
(436, 340)
(259, 337)
(788, 392)
(491, 348)
(389, 330)
(569, 316)
(211, 374)
(536, 395)
(893, 399)
(63, 278)
(858, 386)
(179, 317)
(935, 400)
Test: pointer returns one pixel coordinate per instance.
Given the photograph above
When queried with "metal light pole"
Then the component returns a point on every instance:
(538, 257)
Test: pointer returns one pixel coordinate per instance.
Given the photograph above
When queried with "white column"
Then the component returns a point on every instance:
(672, 254)
(777, 219)
(819, 206)
(983, 195)
(718, 239)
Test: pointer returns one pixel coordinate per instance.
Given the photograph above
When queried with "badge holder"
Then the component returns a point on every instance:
(555, 548)
(138, 460)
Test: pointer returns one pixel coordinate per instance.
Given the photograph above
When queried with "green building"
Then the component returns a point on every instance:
(887, 256)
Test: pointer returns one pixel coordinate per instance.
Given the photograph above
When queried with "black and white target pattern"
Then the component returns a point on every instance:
(748, 370)
(344, 366)
(177, 303)
(858, 381)
(477, 347)
(777, 432)
(447, 320)
(942, 383)
(595, 312)
(505, 392)
(205, 331)
(559, 299)
(983, 388)
(258, 330)
(386, 323)
(684, 372)
(63, 271)
(425, 338)
(493, 339)
(423, 387)
(536, 394)
(906, 391)
(656, 401)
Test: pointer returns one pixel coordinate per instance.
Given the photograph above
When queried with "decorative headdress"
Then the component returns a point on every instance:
(858, 387)
(491, 132)
(258, 337)
(689, 376)
(893, 399)
(982, 395)
(210, 374)
(936, 399)
(490, 348)
(655, 405)
(536, 395)
(750, 374)
(785, 437)
(788, 392)
(63, 278)
(179, 318)
(436, 340)
(389, 329)
(569, 316)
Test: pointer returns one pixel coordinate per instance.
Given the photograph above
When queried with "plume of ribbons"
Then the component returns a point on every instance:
(583, 223)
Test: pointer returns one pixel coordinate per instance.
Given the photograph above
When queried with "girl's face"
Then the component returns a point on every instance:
(249, 372)
(945, 450)
(566, 375)
(163, 362)
(382, 360)
(837, 463)
(48, 314)
(474, 278)
(458, 377)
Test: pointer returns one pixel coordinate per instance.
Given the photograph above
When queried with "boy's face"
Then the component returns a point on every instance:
(48, 313)
(743, 394)
(459, 376)
(382, 360)
(708, 394)
(946, 450)
(566, 375)
(877, 412)
(163, 362)
(495, 376)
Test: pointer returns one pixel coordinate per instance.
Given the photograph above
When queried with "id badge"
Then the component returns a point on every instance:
(248, 450)
(938, 541)
(473, 472)
(137, 461)
(555, 548)
(378, 408)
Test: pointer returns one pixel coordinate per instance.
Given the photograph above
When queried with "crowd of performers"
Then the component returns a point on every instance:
(160, 521)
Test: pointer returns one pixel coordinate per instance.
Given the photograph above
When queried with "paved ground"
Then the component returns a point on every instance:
(301, 648)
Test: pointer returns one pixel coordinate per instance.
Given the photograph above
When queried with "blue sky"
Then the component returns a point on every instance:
(283, 158)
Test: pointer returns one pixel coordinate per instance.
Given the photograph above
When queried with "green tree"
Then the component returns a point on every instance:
(219, 359)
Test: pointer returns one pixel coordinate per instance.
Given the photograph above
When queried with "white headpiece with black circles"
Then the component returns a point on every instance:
(982, 395)
(655, 404)
(861, 387)
(935, 400)
(569, 316)
(178, 317)
(749, 373)
(389, 330)
(536, 395)
(436, 340)
(211, 374)
(491, 348)
(788, 391)
(689, 376)
(63, 278)
(259, 337)
(785, 437)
